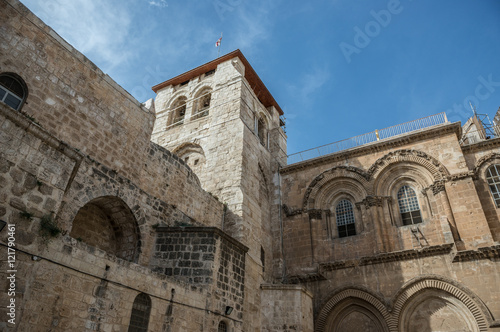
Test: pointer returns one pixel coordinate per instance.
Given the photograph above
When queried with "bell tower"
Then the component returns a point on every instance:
(221, 121)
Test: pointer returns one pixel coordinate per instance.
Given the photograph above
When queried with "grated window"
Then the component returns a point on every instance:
(345, 218)
(408, 206)
(139, 319)
(222, 327)
(493, 179)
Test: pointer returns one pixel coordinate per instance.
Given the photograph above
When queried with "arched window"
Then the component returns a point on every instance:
(13, 90)
(493, 179)
(345, 218)
(203, 103)
(408, 206)
(179, 111)
(222, 327)
(139, 319)
(261, 130)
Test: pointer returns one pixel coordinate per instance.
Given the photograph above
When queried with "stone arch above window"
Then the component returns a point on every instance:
(108, 224)
(344, 216)
(13, 90)
(139, 318)
(202, 103)
(193, 155)
(435, 168)
(320, 192)
(178, 111)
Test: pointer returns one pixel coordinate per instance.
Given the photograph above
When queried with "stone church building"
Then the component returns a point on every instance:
(185, 213)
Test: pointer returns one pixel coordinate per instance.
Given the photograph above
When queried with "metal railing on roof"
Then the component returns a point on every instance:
(370, 137)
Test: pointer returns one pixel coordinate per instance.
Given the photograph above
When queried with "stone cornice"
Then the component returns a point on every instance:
(195, 229)
(396, 256)
(481, 253)
(300, 278)
(377, 146)
(286, 287)
(482, 146)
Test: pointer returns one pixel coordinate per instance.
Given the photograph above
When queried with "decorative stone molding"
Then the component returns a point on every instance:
(474, 255)
(460, 176)
(396, 256)
(438, 187)
(370, 201)
(289, 212)
(437, 169)
(315, 214)
(302, 278)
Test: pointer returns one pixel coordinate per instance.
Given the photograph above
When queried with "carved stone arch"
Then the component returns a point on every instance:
(200, 87)
(344, 302)
(340, 186)
(193, 156)
(107, 222)
(356, 174)
(202, 98)
(484, 162)
(436, 168)
(407, 297)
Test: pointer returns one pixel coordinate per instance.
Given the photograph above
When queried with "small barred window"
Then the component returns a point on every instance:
(493, 179)
(408, 206)
(345, 218)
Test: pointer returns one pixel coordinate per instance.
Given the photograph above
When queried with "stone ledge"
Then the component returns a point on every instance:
(492, 252)
(389, 257)
(376, 146)
(286, 287)
(195, 229)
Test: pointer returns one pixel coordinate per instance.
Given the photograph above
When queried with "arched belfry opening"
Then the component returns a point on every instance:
(108, 224)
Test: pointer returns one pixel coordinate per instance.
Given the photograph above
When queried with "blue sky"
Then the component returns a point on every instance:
(337, 68)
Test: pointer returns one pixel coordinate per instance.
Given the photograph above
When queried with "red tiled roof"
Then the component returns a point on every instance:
(251, 76)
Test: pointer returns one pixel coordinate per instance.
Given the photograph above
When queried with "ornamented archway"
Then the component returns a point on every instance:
(352, 310)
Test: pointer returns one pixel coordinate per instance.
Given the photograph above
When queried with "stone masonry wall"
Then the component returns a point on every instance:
(70, 96)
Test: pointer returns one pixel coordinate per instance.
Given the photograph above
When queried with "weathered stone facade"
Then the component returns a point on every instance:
(181, 214)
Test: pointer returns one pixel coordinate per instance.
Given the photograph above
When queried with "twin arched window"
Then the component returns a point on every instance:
(408, 206)
(179, 111)
(203, 103)
(493, 179)
(13, 90)
(139, 319)
(345, 218)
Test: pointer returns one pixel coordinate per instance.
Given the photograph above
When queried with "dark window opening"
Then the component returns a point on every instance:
(345, 218)
(139, 319)
(13, 90)
(222, 327)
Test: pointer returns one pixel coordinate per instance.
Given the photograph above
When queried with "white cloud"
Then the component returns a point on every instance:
(98, 29)
(158, 3)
